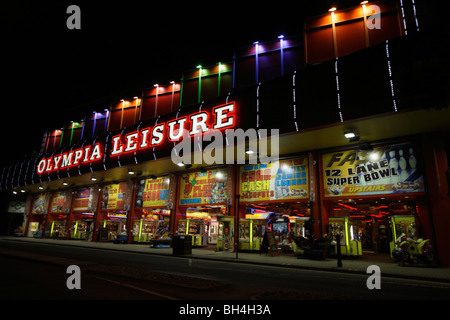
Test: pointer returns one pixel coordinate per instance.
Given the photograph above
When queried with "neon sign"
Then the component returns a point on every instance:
(220, 118)
(68, 159)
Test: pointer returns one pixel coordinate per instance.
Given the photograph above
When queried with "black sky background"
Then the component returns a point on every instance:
(53, 75)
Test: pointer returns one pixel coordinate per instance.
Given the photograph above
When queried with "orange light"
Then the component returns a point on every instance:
(332, 9)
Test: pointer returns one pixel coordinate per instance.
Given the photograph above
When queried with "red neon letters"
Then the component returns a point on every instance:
(198, 123)
(222, 117)
(65, 160)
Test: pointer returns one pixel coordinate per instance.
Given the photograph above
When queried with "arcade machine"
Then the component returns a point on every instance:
(153, 223)
(399, 225)
(196, 228)
(300, 231)
(82, 229)
(58, 229)
(251, 234)
(348, 231)
(213, 230)
(225, 234)
(115, 225)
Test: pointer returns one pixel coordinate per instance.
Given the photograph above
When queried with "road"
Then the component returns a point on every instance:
(110, 275)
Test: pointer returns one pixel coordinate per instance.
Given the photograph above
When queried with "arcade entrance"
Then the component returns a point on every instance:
(369, 227)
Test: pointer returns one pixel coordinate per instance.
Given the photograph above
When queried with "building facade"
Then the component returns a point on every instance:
(359, 116)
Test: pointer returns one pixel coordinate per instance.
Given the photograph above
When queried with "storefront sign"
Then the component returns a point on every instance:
(83, 199)
(279, 180)
(152, 192)
(58, 202)
(207, 187)
(69, 159)
(218, 118)
(384, 170)
(113, 196)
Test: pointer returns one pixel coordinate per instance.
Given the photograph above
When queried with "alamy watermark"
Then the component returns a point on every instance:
(232, 146)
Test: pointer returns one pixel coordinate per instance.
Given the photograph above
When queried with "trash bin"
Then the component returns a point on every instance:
(182, 244)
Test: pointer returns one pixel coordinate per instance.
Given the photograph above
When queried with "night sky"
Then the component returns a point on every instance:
(55, 75)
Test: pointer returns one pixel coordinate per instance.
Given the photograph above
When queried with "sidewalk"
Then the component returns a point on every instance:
(359, 266)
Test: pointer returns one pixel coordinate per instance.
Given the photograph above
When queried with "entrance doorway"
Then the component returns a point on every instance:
(374, 221)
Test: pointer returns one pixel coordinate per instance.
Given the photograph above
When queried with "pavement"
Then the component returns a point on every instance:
(359, 265)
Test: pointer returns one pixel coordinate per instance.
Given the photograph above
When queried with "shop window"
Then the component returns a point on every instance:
(203, 223)
(288, 221)
(374, 224)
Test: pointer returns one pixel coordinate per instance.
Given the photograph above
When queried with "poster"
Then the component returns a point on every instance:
(383, 170)
(38, 204)
(83, 199)
(280, 180)
(58, 202)
(208, 187)
(113, 196)
(152, 192)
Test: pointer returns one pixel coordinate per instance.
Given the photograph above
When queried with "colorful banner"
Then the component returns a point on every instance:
(280, 180)
(113, 196)
(58, 202)
(383, 170)
(207, 187)
(152, 192)
(38, 204)
(83, 199)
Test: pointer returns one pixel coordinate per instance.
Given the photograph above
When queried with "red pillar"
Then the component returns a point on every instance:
(437, 181)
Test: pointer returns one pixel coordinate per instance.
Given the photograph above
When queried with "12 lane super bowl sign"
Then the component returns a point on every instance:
(220, 117)
(383, 170)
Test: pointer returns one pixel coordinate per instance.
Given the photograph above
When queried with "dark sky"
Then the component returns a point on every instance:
(54, 75)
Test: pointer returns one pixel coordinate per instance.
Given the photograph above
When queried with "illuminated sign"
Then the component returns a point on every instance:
(221, 117)
(218, 118)
(152, 192)
(383, 170)
(72, 158)
(280, 180)
(207, 187)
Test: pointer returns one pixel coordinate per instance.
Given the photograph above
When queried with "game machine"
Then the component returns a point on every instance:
(281, 228)
(349, 240)
(300, 231)
(58, 227)
(213, 230)
(115, 225)
(196, 228)
(33, 228)
(154, 223)
(225, 234)
(251, 234)
(81, 229)
(402, 225)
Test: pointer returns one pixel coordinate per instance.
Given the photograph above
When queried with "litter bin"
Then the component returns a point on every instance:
(182, 244)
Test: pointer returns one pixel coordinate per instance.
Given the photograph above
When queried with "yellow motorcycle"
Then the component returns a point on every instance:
(410, 250)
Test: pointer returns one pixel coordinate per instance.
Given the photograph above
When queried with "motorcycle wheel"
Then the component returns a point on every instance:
(403, 255)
